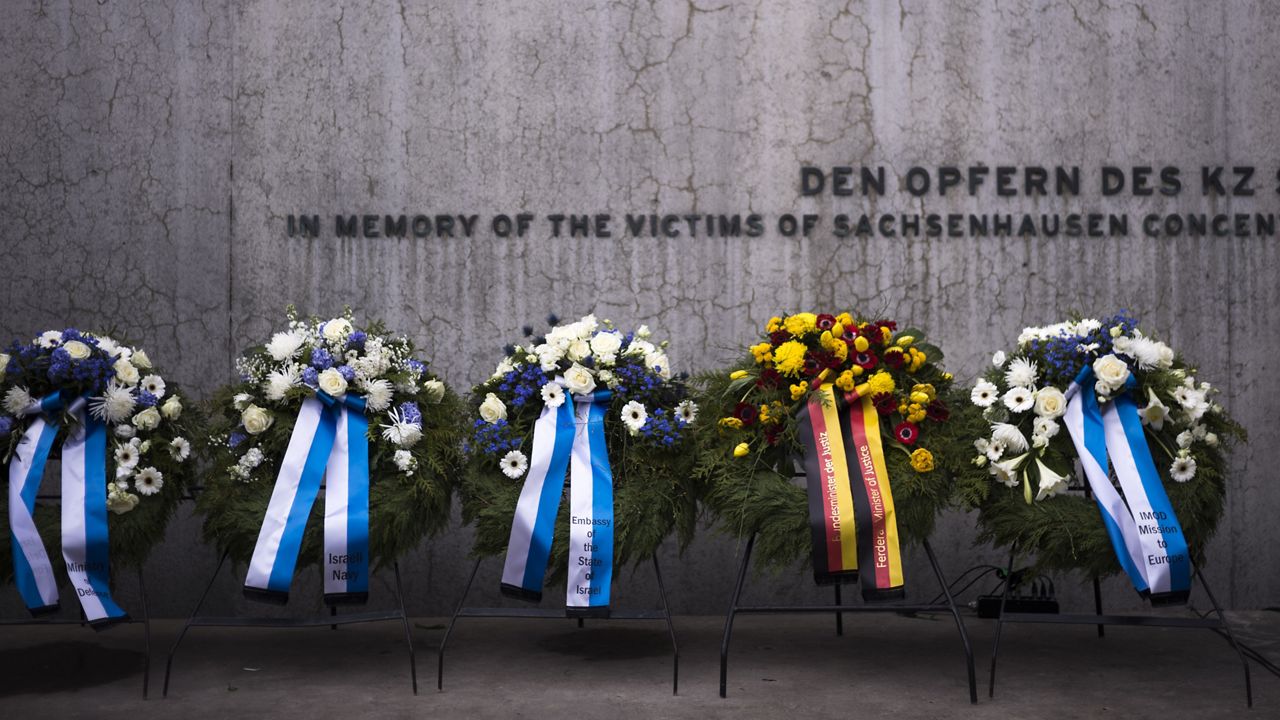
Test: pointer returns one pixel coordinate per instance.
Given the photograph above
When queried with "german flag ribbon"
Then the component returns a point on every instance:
(851, 513)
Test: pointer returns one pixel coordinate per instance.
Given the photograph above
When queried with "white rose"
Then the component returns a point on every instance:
(658, 362)
(998, 358)
(434, 390)
(77, 350)
(121, 502)
(492, 409)
(643, 331)
(1111, 371)
(171, 408)
(337, 329)
(578, 380)
(332, 382)
(148, 419)
(140, 359)
(126, 372)
(606, 343)
(256, 420)
(578, 349)
(1050, 402)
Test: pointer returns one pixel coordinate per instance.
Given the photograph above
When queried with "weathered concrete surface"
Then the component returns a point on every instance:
(150, 155)
(886, 666)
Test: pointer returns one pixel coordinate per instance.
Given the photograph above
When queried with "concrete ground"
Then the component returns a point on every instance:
(910, 667)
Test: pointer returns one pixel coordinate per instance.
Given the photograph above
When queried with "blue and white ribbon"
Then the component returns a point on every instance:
(1148, 540)
(330, 442)
(566, 439)
(84, 511)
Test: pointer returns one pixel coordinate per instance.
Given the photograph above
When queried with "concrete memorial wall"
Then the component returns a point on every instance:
(155, 156)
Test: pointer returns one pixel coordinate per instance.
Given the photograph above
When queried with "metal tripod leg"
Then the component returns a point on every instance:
(1004, 596)
(955, 613)
(733, 610)
(444, 641)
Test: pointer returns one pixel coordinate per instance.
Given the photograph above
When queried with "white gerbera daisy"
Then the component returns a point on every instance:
(279, 382)
(1019, 399)
(49, 339)
(634, 416)
(377, 394)
(127, 456)
(984, 393)
(149, 481)
(995, 450)
(180, 449)
(1009, 436)
(552, 394)
(115, 405)
(17, 400)
(1183, 469)
(687, 412)
(153, 384)
(514, 464)
(1022, 372)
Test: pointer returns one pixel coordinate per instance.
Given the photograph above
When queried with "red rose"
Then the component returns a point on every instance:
(826, 322)
(906, 433)
(938, 411)
(885, 403)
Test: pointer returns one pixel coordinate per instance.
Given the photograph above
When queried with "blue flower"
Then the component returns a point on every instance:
(146, 399)
(6, 425)
(347, 372)
(409, 413)
(321, 359)
(236, 438)
(311, 376)
(356, 339)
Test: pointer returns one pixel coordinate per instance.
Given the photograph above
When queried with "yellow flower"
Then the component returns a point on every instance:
(737, 374)
(837, 329)
(917, 360)
(801, 324)
(732, 423)
(798, 391)
(763, 352)
(886, 334)
(763, 416)
(928, 390)
(834, 346)
(921, 460)
(881, 382)
(742, 450)
(844, 319)
(915, 413)
(774, 325)
(906, 340)
(857, 370)
(861, 344)
(919, 397)
(845, 381)
(948, 376)
(789, 357)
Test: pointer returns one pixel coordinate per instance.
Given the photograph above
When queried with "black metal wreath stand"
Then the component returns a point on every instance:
(735, 609)
(333, 620)
(1218, 624)
(463, 610)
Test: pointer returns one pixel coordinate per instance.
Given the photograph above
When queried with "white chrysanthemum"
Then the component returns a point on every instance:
(998, 358)
(108, 346)
(1145, 351)
(17, 400)
(552, 395)
(687, 412)
(180, 449)
(148, 481)
(280, 382)
(1019, 399)
(284, 345)
(115, 405)
(634, 416)
(1009, 436)
(1022, 372)
(514, 464)
(402, 433)
(405, 461)
(1183, 469)
(377, 394)
(153, 384)
(1155, 413)
(984, 393)
(127, 456)
(1086, 326)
